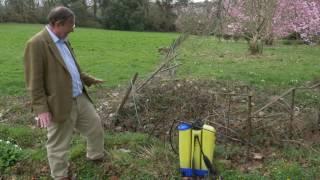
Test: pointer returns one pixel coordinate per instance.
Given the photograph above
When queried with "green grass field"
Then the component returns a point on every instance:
(115, 56)
(111, 55)
(280, 65)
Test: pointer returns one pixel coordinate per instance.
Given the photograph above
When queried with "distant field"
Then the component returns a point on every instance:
(280, 65)
(111, 55)
(116, 55)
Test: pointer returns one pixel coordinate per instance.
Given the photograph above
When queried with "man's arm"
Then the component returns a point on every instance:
(89, 80)
(86, 78)
(34, 76)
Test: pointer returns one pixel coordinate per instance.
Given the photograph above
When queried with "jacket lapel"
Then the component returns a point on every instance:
(53, 48)
(68, 44)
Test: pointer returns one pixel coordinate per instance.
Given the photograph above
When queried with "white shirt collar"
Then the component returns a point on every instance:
(53, 36)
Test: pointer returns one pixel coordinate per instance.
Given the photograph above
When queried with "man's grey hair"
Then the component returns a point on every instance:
(60, 13)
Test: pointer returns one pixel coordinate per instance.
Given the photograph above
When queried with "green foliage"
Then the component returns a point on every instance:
(83, 17)
(124, 14)
(138, 15)
(78, 148)
(37, 154)
(255, 46)
(21, 135)
(19, 11)
(233, 174)
(160, 17)
(292, 42)
(10, 154)
(285, 170)
(130, 155)
(132, 140)
(183, 2)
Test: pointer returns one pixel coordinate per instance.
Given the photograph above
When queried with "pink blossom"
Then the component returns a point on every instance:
(288, 16)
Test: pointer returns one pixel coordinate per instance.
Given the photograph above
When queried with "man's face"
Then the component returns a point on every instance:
(63, 29)
(68, 26)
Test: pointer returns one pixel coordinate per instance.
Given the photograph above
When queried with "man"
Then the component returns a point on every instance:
(58, 96)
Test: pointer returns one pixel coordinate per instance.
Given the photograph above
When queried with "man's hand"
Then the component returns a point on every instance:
(97, 82)
(44, 119)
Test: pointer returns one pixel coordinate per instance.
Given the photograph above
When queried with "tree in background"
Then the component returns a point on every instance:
(183, 2)
(85, 18)
(2, 11)
(124, 14)
(161, 16)
(201, 18)
(36, 11)
(251, 19)
(44, 9)
(95, 5)
(263, 20)
(258, 21)
(300, 17)
(195, 18)
(137, 15)
(19, 11)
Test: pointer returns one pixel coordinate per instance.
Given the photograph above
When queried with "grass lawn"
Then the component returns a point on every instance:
(115, 56)
(280, 65)
(111, 55)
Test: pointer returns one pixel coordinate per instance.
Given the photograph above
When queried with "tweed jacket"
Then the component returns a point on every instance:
(47, 78)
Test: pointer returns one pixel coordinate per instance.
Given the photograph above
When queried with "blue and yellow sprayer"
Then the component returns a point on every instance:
(196, 150)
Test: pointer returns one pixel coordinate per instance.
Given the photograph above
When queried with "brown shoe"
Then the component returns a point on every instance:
(97, 161)
(73, 177)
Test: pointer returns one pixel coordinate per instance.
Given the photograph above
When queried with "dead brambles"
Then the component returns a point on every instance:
(221, 104)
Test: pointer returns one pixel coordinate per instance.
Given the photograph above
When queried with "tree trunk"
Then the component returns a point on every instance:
(95, 8)
(255, 46)
(269, 40)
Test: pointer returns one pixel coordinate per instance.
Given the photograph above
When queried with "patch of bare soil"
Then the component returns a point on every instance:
(15, 110)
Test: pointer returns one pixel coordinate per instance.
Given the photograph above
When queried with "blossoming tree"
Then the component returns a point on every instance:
(259, 21)
(263, 20)
(299, 16)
